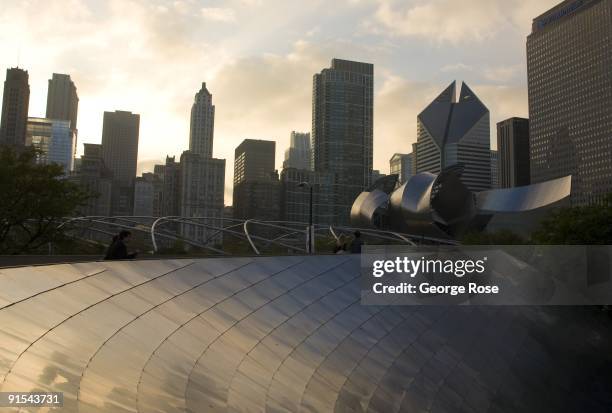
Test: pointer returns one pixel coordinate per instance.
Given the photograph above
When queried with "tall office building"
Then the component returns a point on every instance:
(452, 132)
(513, 152)
(120, 132)
(295, 199)
(402, 165)
(95, 178)
(256, 183)
(202, 190)
(570, 95)
(55, 140)
(62, 99)
(299, 154)
(171, 189)
(342, 129)
(15, 102)
(494, 169)
(146, 195)
(202, 126)
(202, 177)
(158, 190)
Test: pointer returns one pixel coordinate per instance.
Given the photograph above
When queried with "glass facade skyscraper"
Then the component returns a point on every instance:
(342, 130)
(569, 56)
(55, 139)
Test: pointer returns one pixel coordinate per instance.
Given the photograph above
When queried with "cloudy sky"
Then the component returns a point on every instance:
(258, 57)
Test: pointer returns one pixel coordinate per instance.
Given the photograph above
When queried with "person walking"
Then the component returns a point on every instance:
(357, 243)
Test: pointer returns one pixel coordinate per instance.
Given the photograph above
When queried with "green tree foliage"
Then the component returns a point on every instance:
(34, 200)
(581, 225)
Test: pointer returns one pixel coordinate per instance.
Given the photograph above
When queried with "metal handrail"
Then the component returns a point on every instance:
(151, 224)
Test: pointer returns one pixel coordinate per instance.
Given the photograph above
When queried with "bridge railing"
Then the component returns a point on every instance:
(208, 233)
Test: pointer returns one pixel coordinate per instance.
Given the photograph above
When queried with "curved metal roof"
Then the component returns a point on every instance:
(525, 198)
(278, 334)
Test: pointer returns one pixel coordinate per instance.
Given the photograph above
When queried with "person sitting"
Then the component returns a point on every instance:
(117, 250)
(357, 243)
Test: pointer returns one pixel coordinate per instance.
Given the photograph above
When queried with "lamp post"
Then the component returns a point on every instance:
(310, 226)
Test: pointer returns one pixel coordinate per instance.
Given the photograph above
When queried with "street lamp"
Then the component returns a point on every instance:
(310, 244)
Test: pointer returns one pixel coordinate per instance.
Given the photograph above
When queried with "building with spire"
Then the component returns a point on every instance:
(202, 125)
(201, 183)
(455, 132)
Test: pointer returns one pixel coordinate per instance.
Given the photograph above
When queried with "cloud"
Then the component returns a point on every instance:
(265, 97)
(456, 67)
(219, 14)
(504, 74)
(396, 106)
(451, 21)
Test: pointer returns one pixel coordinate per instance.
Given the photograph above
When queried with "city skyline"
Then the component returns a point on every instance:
(410, 65)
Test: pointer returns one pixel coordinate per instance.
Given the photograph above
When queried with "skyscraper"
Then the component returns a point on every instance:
(202, 177)
(513, 152)
(295, 201)
(145, 193)
(202, 190)
(62, 99)
(94, 177)
(15, 102)
(402, 165)
(494, 169)
(120, 132)
(570, 95)
(256, 183)
(452, 132)
(299, 154)
(201, 131)
(172, 185)
(342, 129)
(55, 140)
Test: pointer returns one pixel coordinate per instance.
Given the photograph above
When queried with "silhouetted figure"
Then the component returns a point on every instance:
(117, 250)
(357, 243)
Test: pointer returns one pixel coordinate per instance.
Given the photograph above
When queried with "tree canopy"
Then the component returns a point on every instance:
(584, 225)
(35, 197)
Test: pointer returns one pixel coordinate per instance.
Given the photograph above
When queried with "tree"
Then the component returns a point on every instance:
(34, 199)
(580, 225)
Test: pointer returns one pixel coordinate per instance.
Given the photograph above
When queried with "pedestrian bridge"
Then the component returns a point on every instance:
(207, 233)
(284, 334)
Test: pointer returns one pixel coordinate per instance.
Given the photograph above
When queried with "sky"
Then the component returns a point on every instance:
(258, 57)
